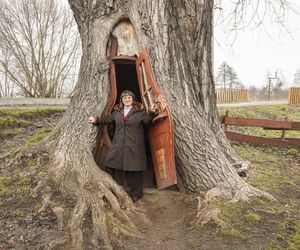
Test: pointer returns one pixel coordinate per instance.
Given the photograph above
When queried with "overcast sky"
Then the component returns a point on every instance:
(254, 53)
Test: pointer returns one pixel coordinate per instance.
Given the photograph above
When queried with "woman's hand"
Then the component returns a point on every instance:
(92, 120)
(155, 107)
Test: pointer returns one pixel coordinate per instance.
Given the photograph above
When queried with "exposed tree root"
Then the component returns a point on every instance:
(59, 211)
(242, 191)
(97, 196)
(242, 168)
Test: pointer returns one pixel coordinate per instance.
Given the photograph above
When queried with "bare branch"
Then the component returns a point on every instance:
(43, 43)
(247, 15)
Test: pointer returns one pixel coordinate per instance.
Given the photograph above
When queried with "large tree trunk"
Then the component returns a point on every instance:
(178, 35)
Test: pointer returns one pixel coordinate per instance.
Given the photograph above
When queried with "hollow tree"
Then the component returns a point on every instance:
(178, 35)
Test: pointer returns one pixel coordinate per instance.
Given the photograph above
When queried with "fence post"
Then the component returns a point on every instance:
(226, 115)
(283, 131)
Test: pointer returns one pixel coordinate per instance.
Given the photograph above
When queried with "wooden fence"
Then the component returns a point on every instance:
(232, 95)
(294, 96)
(265, 124)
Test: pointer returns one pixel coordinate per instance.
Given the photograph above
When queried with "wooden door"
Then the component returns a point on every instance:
(103, 141)
(161, 134)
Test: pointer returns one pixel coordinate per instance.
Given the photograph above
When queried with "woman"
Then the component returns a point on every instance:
(128, 152)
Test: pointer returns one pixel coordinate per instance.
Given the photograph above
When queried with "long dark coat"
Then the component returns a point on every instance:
(128, 150)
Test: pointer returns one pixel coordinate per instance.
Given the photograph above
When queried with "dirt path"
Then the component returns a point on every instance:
(171, 214)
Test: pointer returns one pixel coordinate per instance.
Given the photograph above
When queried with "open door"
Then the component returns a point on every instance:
(161, 132)
(103, 141)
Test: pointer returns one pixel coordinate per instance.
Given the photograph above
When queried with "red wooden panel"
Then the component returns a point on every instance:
(258, 123)
(296, 125)
(261, 140)
(103, 142)
(161, 132)
(293, 141)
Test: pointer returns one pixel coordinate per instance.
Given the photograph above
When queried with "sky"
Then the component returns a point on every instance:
(254, 53)
(258, 52)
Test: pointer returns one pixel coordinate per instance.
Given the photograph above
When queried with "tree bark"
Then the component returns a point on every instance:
(178, 35)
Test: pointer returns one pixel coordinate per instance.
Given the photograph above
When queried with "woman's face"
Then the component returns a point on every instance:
(127, 100)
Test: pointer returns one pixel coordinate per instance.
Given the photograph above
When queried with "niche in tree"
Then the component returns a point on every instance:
(134, 72)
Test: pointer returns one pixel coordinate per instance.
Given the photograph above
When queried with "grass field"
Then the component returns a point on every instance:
(275, 170)
(259, 224)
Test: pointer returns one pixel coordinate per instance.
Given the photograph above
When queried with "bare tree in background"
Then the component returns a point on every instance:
(222, 77)
(274, 89)
(296, 81)
(248, 15)
(254, 92)
(279, 88)
(227, 77)
(42, 44)
(6, 87)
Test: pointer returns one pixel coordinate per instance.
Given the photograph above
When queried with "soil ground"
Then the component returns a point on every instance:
(259, 224)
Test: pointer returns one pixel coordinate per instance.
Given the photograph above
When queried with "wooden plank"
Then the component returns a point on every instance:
(293, 141)
(161, 133)
(295, 125)
(261, 140)
(274, 128)
(251, 122)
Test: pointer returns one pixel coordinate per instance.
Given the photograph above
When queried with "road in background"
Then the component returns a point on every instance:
(34, 102)
(244, 104)
(65, 102)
